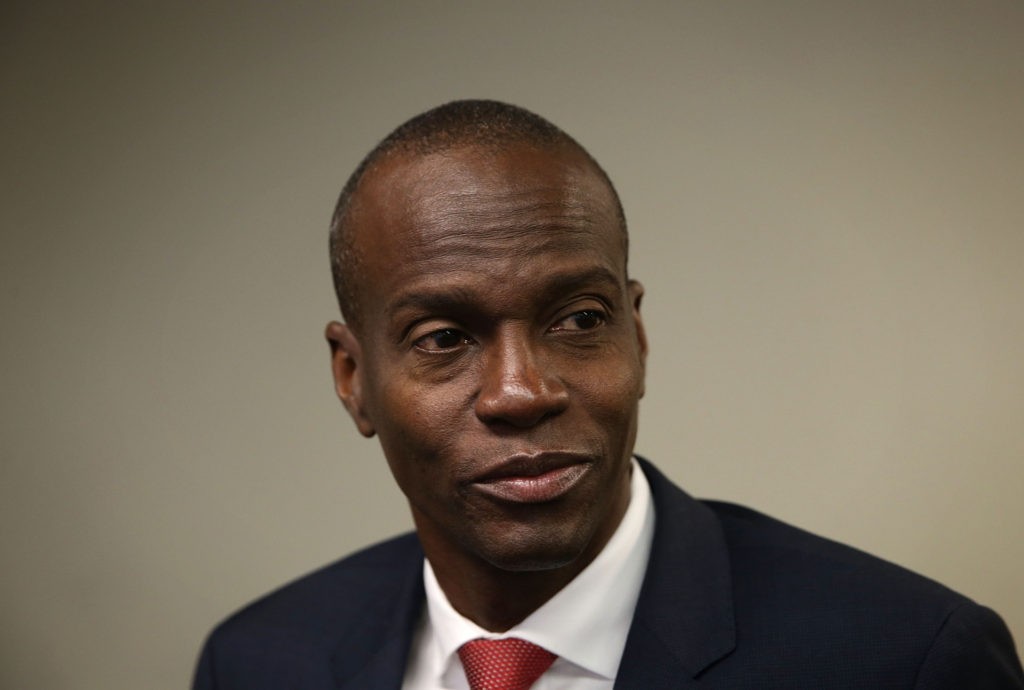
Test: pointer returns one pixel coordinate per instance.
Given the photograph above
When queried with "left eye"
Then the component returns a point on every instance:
(442, 339)
(581, 321)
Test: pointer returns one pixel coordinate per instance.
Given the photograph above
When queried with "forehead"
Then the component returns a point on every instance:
(447, 211)
(482, 198)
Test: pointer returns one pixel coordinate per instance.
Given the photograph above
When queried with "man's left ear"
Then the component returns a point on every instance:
(636, 295)
(346, 359)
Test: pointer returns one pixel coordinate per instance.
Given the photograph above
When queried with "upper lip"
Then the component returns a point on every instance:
(530, 465)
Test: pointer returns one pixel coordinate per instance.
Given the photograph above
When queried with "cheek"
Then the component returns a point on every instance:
(416, 432)
(612, 393)
(420, 414)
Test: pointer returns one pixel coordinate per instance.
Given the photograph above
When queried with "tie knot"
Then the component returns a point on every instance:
(508, 664)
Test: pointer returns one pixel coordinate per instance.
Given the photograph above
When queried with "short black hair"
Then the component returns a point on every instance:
(483, 123)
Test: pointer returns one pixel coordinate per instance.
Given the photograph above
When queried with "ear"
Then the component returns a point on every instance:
(636, 295)
(346, 365)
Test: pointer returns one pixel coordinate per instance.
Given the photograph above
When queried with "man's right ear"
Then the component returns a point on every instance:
(346, 359)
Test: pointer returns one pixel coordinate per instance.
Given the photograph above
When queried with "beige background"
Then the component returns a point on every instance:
(826, 203)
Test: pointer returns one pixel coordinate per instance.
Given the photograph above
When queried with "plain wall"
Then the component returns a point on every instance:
(826, 203)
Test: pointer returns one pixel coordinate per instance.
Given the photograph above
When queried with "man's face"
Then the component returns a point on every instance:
(500, 352)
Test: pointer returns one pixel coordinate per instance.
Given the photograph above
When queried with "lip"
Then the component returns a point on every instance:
(535, 478)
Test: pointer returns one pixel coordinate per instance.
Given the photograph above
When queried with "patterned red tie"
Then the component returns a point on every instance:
(508, 664)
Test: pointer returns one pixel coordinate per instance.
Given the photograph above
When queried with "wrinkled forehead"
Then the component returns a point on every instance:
(493, 198)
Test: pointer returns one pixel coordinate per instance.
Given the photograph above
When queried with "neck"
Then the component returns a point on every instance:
(497, 598)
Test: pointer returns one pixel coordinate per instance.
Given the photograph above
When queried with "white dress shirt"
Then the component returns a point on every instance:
(585, 624)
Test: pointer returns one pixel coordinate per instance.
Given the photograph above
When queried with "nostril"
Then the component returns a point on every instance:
(521, 405)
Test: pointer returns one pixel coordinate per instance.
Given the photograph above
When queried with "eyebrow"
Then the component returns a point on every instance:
(456, 298)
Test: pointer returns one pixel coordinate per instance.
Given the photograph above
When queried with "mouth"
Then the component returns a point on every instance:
(536, 478)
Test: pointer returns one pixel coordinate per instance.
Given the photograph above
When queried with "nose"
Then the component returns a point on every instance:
(518, 384)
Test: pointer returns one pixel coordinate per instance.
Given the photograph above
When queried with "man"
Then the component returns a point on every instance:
(493, 342)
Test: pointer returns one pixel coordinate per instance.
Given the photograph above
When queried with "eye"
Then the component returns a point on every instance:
(441, 340)
(585, 320)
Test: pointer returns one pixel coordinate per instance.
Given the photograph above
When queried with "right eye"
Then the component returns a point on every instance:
(442, 340)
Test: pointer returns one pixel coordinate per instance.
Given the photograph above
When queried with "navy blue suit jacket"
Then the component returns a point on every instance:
(732, 599)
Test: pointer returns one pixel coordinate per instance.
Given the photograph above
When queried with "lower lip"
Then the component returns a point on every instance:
(539, 489)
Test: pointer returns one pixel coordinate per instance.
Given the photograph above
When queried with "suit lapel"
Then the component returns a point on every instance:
(684, 618)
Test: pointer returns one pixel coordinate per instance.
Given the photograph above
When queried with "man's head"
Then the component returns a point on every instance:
(495, 344)
(490, 125)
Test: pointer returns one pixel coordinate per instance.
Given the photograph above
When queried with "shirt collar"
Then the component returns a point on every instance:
(586, 623)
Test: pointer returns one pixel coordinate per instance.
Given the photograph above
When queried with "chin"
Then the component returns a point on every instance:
(530, 563)
(528, 553)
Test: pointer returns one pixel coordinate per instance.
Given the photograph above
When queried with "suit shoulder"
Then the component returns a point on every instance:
(758, 539)
(321, 602)
(822, 599)
(298, 634)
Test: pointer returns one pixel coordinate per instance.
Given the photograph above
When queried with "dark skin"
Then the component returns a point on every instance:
(500, 360)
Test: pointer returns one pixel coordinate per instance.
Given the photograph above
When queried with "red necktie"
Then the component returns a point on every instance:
(508, 664)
